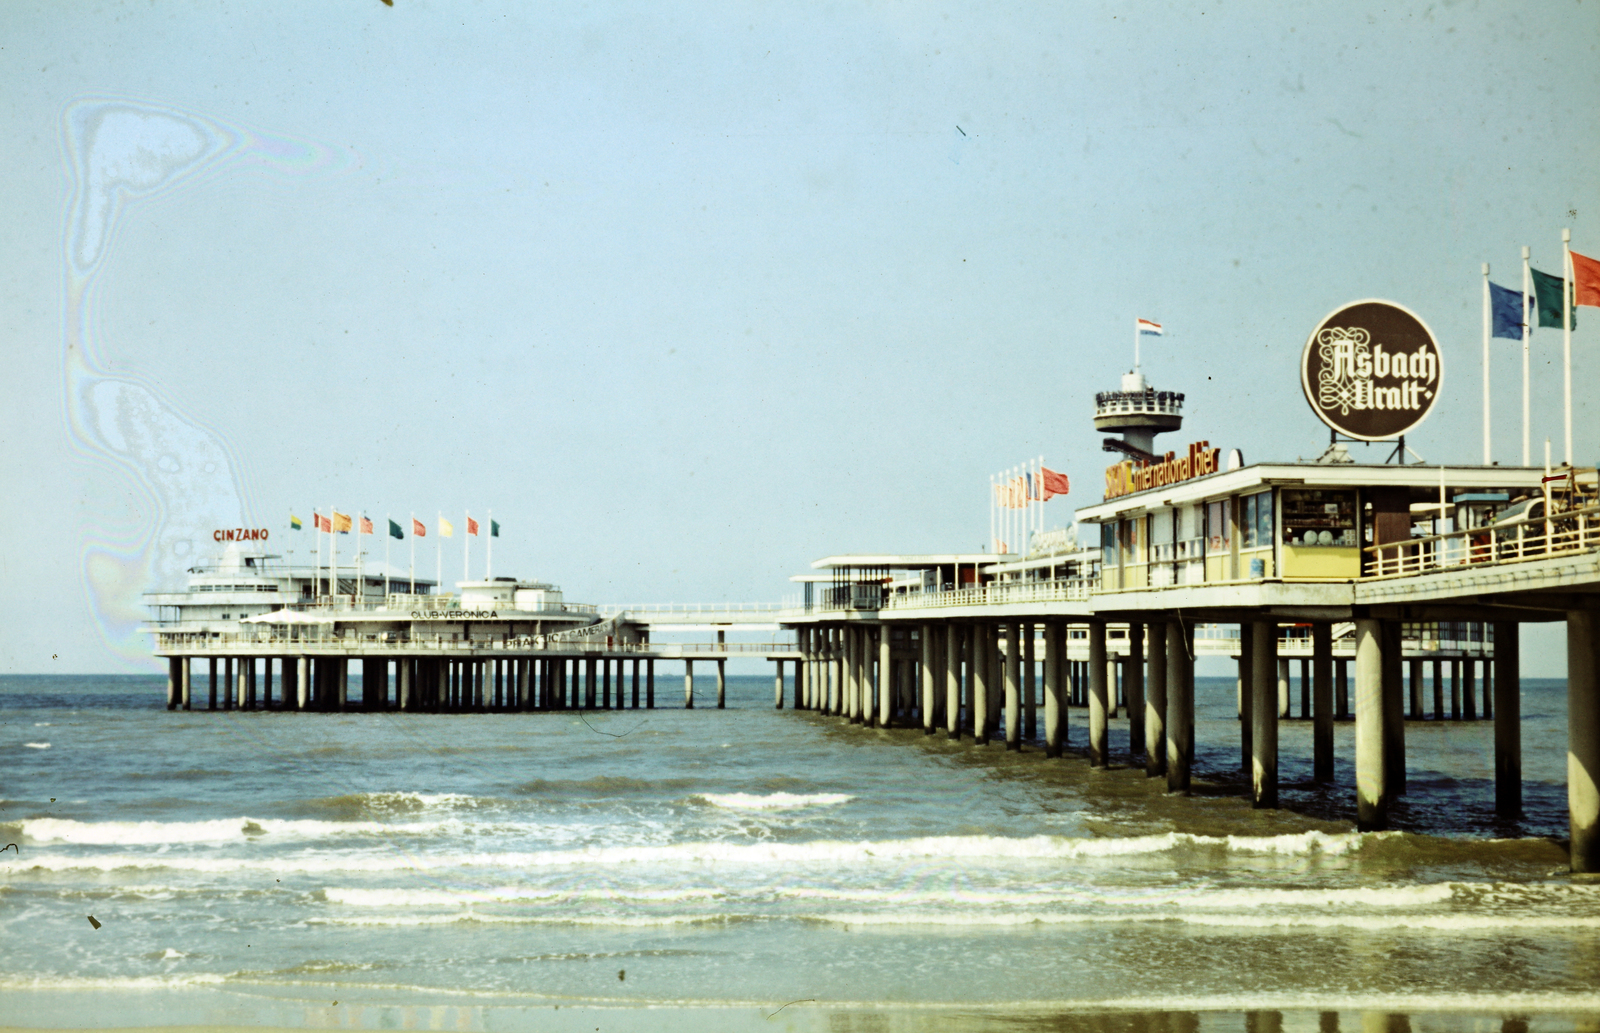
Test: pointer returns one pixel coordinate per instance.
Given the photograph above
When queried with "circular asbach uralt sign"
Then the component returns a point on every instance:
(1371, 370)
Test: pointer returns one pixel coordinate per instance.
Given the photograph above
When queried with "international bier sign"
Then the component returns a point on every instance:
(1371, 370)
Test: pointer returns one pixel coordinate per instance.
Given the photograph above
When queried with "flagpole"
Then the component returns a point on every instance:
(992, 514)
(488, 545)
(1136, 365)
(1486, 328)
(387, 520)
(438, 555)
(466, 547)
(1527, 447)
(412, 587)
(333, 555)
(361, 563)
(1566, 332)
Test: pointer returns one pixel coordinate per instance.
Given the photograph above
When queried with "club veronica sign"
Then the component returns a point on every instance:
(1371, 370)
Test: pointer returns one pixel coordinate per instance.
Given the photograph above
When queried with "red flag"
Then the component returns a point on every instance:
(322, 522)
(1586, 278)
(417, 528)
(1054, 483)
(472, 526)
(366, 525)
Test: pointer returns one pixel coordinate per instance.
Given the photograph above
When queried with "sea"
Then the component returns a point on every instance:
(757, 868)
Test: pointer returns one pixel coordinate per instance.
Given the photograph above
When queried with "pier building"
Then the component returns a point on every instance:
(1398, 589)
(248, 623)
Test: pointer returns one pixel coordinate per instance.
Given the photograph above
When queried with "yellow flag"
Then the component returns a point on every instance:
(446, 528)
(341, 521)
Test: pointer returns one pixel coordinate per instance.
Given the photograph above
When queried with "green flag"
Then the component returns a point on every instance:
(494, 529)
(394, 530)
(1547, 293)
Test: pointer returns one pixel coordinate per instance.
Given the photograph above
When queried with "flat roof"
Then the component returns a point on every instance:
(902, 562)
(1313, 475)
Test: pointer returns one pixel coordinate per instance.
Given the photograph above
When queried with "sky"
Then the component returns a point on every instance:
(690, 295)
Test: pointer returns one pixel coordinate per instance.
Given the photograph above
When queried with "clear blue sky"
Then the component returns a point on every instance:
(690, 295)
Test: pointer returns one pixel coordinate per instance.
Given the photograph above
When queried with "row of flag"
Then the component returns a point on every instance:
(340, 523)
(1511, 309)
(1023, 488)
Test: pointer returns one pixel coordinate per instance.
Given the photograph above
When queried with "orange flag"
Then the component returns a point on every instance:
(1586, 280)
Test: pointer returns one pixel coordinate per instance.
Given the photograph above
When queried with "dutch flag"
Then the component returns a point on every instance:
(1147, 327)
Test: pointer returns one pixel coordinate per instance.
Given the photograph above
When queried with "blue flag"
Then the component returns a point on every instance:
(1506, 306)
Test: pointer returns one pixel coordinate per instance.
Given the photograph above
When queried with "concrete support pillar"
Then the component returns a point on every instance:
(1283, 669)
(927, 650)
(187, 688)
(1583, 738)
(1133, 689)
(840, 664)
(799, 684)
(1099, 722)
(302, 667)
(1372, 718)
(886, 680)
(1455, 690)
(982, 673)
(266, 697)
(1438, 688)
(1469, 695)
(650, 684)
(969, 681)
(1030, 687)
(850, 669)
(722, 684)
(605, 683)
(1180, 705)
(1155, 701)
(341, 667)
(1013, 686)
(174, 681)
(688, 685)
(1341, 688)
(403, 677)
(1394, 707)
(1247, 694)
(227, 684)
(1055, 708)
(590, 683)
(954, 636)
(1264, 716)
(1322, 702)
(1508, 719)
(777, 685)
(1488, 686)
(478, 669)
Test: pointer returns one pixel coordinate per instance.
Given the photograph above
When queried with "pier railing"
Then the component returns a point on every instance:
(690, 609)
(325, 638)
(1514, 541)
(1058, 590)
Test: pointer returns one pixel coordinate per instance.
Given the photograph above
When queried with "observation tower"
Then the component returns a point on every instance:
(1138, 412)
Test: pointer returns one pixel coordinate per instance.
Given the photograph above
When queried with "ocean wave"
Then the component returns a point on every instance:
(397, 897)
(772, 801)
(981, 919)
(986, 848)
(215, 830)
(37, 745)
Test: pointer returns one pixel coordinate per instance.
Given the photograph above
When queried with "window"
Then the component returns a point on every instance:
(1108, 545)
(1217, 532)
(1319, 518)
(1257, 523)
